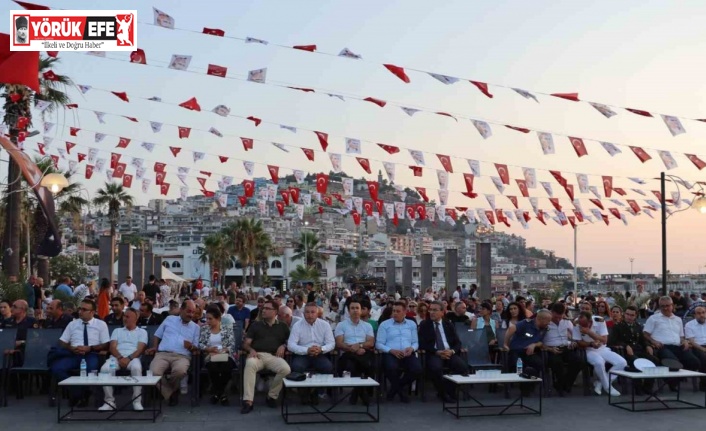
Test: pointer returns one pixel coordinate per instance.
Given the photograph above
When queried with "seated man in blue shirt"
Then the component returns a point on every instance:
(398, 340)
(356, 340)
(526, 341)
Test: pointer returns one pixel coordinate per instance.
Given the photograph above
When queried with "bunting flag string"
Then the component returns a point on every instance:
(578, 144)
(353, 145)
(118, 170)
(166, 21)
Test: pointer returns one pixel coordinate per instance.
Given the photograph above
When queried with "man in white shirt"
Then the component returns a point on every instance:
(126, 346)
(592, 335)
(310, 340)
(561, 349)
(128, 289)
(695, 333)
(83, 338)
(665, 332)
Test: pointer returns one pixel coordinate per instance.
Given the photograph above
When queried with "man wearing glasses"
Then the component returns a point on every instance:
(665, 331)
(83, 338)
(265, 344)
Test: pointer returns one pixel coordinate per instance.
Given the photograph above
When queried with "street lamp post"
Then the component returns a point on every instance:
(632, 259)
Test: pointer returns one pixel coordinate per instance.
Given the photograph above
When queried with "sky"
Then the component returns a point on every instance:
(640, 54)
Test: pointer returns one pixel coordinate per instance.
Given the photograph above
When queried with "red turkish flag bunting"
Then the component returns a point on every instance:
(294, 194)
(468, 179)
(249, 188)
(578, 215)
(123, 143)
(337, 196)
(364, 163)
(309, 153)
(540, 217)
(114, 159)
(208, 174)
(328, 200)
(519, 129)
(159, 178)
(223, 159)
(379, 102)
(321, 183)
(280, 207)
(73, 131)
(159, 167)
(391, 149)
(247, 143)
(368, 207)
(81, 157)
(641, 154)
(555, 202)
(421, 211)
(513, 199)
(321, 209)
(559, 178)
(615, 212)
(501, 217)
(202, 181)
(184, 132)
(356, 218)
(310, 48)
(255, 120)
(619, 191)
(89, 171)
(452, 213)
(579, 146)
(380, 206)
(597, 203)
(569, 189)
(522, 185)
(119, 170)
(483, 87)
(175, 150)
(574, 97)
(138, 56)
(164, 188)
(133, 119)
(304, 89)
(423, 193)
(446, 163)
(398, 72)
(71, 106)
(503, 173)
(216, 70)
(208, 193)
(31, 6)
(416, 170)
(639, 112)
(411, 211)
(696, 161)
(572, 221)
(323, 139)
(127, 180)
(69, 146)
(243, 200)
(285, 196)
(373, 189)
(40, 148)
(395, 219)
(446, 114)
(121, 95)
(191, 104)
(607, 186)
(633, 204)
(658, 195)
(274, 173)
(214, 31)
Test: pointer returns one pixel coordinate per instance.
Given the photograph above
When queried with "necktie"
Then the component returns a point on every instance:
(85, 333)
(439, 340)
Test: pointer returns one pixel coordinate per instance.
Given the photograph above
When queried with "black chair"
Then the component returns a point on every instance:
(201, 366)
(112, 328)
(39, 343)
(475, 343)
(7, 342)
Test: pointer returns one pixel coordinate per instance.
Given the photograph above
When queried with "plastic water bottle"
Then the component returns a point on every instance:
(519, 366)
(84, 367)
(113, 366)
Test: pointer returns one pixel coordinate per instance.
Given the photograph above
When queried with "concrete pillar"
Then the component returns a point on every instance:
(426, 272)
(43, 269)
(407, 276)
(483, 269)
(106, 257)
(157, 268)
(149, 264)
(138, 268)
(390, 276)
(451, 271)
(124, 262)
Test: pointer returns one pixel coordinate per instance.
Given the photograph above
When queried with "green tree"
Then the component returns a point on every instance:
(71, 266)
(218, 252)
(247, 242)
(308, 249)
(305, 274)
(113, 196)
(18, 102)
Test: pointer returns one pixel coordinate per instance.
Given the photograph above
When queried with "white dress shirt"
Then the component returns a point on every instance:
(697, 331)
(303, 335)
(97, 333)
(666, 330)
(559, 335)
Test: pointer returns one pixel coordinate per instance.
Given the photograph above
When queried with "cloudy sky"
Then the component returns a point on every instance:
(643, 55)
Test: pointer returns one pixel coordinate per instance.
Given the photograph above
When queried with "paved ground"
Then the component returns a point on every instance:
(575, 412)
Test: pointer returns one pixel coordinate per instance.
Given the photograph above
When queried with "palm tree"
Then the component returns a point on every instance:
(247, 236)
(308, 248)
(305, 274)
(264, 249)
(18, 100)
(217, 250)
(113, 196)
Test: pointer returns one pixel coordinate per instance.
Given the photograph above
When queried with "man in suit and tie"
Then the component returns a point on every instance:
(438, 338)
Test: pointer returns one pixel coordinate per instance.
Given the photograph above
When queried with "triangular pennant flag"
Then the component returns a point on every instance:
(579, 146)
(700, 164)
(175, 150)
(138, 56)
(483, 87)
(605, 110)
(123, 143)
(258, 75)
(574, 97)
(365, 164)
(379, 102)
(503, 173)
(274, 173)
(255, 120)
(391, 149)
(184, 132)
(310, 48)
(444, 78)
(216, 70)
(345, 52)
(446, 163)
(525, 94)
(309, 153)
(121, 95)
(179, 62)
(398, 72)
(639, 112)
(191, 104)
(641, 154)
(247, 143)
(214, 31)
(323, 139)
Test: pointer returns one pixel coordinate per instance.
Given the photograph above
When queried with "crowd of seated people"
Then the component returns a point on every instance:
(410, 339)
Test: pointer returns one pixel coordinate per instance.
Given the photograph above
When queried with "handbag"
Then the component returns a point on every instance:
(218, 357)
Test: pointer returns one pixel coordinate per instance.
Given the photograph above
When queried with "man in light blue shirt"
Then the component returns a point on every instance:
(64, 288)
(398, 340)
(174, 342)
(355, 338)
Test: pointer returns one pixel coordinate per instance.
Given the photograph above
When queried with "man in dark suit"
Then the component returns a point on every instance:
(438, 338)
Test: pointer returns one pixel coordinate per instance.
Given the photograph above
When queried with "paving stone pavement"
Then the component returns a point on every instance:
(576, 412)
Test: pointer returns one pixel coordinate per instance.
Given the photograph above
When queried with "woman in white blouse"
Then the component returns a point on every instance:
(217, 343)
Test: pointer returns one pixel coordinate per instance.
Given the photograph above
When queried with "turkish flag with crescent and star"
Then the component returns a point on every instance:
(503, 173)
(321, 183)
(274, 173)
(373, 189)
